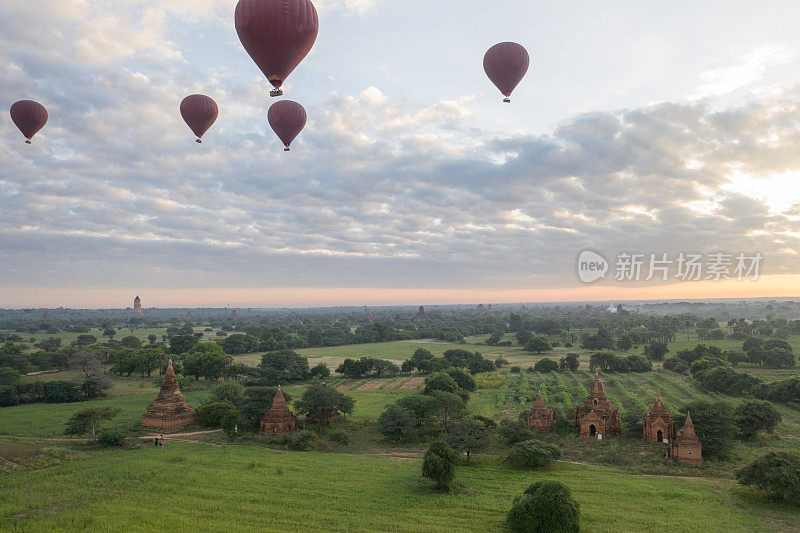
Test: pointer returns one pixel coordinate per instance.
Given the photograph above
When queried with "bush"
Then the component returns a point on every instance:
(440, 381)
(514, 431)
(339, 436)
(726, 380)
(754, 416)
(321, 371)
(439, 464)
(546, 365)
(8, 395)
(777, 473)
(533, 454)
(397, 423)
(61, 392)
(108, 437)
(462, 379)
(231, 392)
(784, 391)
(211, 414)
(545, 507)
(633, 424)
(302, 440)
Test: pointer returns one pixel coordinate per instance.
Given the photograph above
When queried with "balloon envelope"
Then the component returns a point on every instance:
(29, 116)
(199, 112)
(277, 34)
(287, 119)
(506, 65)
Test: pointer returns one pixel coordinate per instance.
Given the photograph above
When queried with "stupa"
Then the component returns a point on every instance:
(539, 417)
(278, 420)
(686, 448)
(597, 417)
(169, 411)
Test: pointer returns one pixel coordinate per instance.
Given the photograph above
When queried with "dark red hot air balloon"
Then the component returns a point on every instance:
(506, 65)
(287, 118)
(29, 116)
(199, 112)
(277, 34)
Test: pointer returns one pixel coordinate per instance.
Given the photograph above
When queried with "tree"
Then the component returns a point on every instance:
(152, 338)
(206, 365)
(440, 382)
(180, 344)
(85, 340)
(87, 420)
(130, 342)
(448, 406)
(439, 464)
(777, 473)
(87, 363)
(545, 365)
(283, 366)
(462, 379)
(322, 404)
(321, 371)
(397, 423)
(523, 337)
(602, 360)
(422, 406)
(778, 357)
(231, 392)
(755, 415)
(212, 414)
(239, 343)
(533, 454)
(514, 431)
(545, 507)
(569, 362)
(713, 423)
(538, 344)
(468, 434)
(656, 350)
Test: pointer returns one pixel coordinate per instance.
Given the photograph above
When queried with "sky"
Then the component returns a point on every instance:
(639, 129)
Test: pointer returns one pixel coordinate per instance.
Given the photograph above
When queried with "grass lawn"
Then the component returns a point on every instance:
(237, 488)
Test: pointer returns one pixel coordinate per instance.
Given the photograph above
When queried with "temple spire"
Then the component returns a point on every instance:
(688, 427)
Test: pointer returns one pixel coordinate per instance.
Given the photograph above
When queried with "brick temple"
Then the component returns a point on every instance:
(658, 425)
(686, 447)
(540, 417)
(597, 417)
(169, 411)
(279, 420)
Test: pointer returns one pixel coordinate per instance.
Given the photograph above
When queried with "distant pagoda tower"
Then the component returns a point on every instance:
(480, 309)
(46, 315)
(235, 314)
(539, 417)
(169, 411)
(279, 420)
(686, 448)
(137, 305)
(420, 316)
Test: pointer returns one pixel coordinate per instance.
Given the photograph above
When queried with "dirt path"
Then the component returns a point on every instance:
(188, 434)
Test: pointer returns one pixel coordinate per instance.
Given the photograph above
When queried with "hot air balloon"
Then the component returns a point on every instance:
(287, 119)
(29, 116)
(277, 34)
(506, 65)
(199, 112)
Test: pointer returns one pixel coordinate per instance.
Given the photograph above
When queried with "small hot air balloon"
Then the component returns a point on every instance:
(199, 112)
(277, 34)
(29, 116)
(287, 119)
(506, 65)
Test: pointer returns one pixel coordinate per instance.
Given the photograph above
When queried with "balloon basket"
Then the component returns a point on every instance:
(507, 100)
(27, 141)
(275, 92)
(198, 140)
(286, 149)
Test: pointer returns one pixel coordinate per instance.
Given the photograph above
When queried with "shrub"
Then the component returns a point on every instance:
(546, 365)
(726, 380)
(462, 379)
(108, 437)
(231, 392)
(8, 395)
(439, 464)
(754, 416)
(321, 371)
(211, 414)
(569, 362)
(440, 381)
(61, 392)
(302, 440)
(545, 507)
(633, 424)
(533, 454)
(87, 420)
(777, 473)
(339, 436)
(514, 431)
(397, 423)
(787, 390)
(489, 380)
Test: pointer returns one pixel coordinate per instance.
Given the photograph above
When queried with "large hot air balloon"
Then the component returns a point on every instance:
(277, 34)
(199, 112)
(506, 65)
(29, 116)
(287, 118)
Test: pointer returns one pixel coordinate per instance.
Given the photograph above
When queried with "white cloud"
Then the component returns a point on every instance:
(750, 68)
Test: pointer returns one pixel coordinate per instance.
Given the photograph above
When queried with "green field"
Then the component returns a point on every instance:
(237, 488)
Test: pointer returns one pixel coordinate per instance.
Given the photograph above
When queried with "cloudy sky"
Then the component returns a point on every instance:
(639, 129)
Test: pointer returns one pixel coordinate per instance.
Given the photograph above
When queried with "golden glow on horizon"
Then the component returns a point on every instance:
(773, 286)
